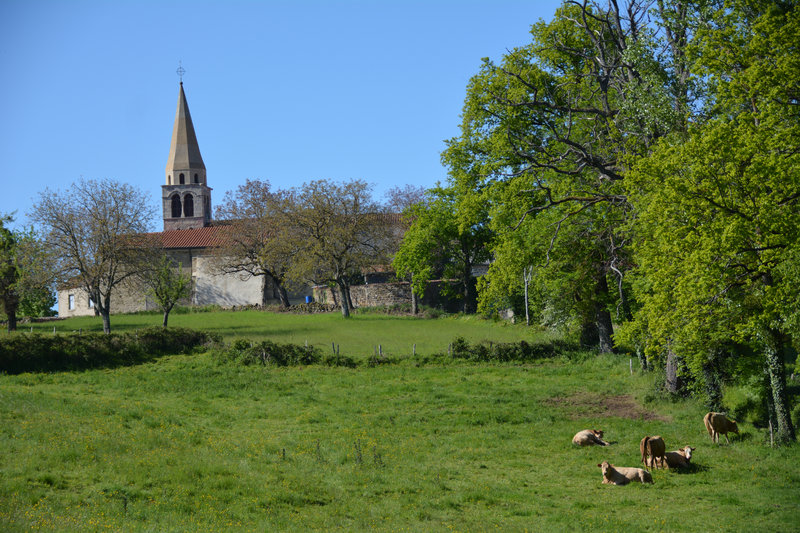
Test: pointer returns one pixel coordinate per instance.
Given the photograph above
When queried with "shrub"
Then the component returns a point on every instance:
(34, 352)
(508, 351)
(269, 353)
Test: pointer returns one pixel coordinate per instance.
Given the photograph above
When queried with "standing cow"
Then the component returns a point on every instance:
(653, 448)
(718, 423)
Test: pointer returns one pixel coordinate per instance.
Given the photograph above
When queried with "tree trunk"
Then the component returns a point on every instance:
(602, 317)
(414, 302)
(349, 297)
(166, 318)
(777, 380)
(283, 295)
(672, 381)
(265, 288)
(344, 299)
(470, 291)
(527, 273)
(10, 306)
(106, 320)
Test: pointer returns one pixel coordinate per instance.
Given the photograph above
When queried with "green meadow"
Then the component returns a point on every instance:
(188, 443)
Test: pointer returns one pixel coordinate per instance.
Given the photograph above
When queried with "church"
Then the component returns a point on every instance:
(188, 237)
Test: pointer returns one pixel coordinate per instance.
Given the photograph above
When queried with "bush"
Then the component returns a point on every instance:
(34, 352)
(509, 351)
(269, 353)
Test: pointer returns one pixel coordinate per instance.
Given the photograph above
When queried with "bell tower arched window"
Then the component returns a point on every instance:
(196, 178)
(188, 206)
(176, 206)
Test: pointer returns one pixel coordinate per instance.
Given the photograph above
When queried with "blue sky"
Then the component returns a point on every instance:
(278, 90)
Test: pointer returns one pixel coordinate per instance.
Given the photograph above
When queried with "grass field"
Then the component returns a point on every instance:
(188, 444)
(358, 336)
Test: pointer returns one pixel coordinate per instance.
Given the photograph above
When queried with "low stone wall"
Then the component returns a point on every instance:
(389, 294)
(372, 295)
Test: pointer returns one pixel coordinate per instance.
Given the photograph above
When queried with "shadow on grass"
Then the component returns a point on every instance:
(691, 468)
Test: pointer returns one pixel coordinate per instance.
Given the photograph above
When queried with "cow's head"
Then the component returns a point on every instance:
(732, 427)
(605, 466)
(687, 452)
(598, 433)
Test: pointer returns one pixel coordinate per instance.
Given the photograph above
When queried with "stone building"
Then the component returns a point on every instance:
(188, 238)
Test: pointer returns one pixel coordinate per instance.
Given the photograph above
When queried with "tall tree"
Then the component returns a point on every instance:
(341, 231)
(564, 115)
(94, 229)
(718, 210)
(438, 244)
(258, 240)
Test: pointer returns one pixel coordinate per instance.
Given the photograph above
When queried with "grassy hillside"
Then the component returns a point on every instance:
(188, 444)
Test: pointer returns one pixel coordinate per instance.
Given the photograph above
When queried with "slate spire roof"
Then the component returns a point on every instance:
(184, 152)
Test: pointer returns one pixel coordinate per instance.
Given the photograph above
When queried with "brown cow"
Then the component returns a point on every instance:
(619, 475)
(652, 448)
(679, 458)
(718, 423)
(588, 437)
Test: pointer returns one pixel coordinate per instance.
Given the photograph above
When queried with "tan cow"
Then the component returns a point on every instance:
(718, 423)
(588, 437)
(620, 475)
(652, 448)
(679, 458)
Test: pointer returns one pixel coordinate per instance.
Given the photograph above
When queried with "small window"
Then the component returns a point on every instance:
(188, 206)
(176, 206)
(169, 180)
(196, 179)
(181, 178)
(71, 302)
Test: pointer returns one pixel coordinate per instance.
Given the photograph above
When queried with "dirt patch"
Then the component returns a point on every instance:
(585, 404)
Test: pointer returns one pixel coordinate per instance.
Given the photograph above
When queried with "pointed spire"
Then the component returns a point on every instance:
(184, 152)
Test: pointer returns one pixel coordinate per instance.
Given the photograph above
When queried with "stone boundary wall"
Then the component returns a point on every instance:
(388, 294)
(372, 295)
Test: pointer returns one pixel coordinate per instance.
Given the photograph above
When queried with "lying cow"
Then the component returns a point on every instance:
(652, 448)
(588, 437)
(620, 475)
(718, 423)
(679, 458)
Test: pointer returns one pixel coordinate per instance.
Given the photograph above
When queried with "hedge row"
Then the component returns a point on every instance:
(33, 352)
(508, 351)
(265, 353)
(268, 353)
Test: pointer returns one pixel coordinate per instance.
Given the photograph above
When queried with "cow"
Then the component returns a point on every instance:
(679, 458)
(619, 475)
(588, 437)
(718, 423)
(652, 448)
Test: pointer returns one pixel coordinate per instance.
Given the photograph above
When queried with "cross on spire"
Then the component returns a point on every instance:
(180, 71)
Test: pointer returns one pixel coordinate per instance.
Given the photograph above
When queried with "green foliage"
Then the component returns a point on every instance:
(166, 283)
(522, 351)
(446, 238)
(718, 222)
(77, 351)
(267, 352)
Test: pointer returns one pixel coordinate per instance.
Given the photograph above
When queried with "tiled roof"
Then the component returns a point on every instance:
(207, 237)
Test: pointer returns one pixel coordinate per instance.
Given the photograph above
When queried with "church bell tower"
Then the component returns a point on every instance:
(186, 196)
